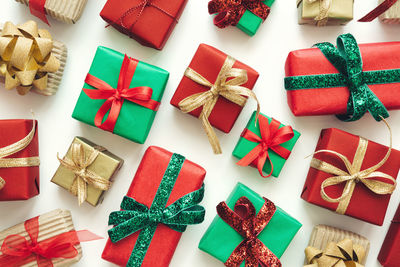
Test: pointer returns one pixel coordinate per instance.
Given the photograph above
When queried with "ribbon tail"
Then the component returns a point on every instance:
(2, 183)
(379, 10)
(212, 136)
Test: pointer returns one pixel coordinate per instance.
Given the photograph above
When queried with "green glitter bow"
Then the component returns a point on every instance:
(135, 216)
(347, 60)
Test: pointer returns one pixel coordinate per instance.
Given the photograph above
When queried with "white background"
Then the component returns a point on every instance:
(266, 52)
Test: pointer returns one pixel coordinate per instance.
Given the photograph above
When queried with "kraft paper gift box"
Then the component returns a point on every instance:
(340, 12)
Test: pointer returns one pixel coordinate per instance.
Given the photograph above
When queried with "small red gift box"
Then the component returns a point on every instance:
(389, 256)
(20, 182)
(148, 22)
(143, 189)
(363, 203)
(324, 101)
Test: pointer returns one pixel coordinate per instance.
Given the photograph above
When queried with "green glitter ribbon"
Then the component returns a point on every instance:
(135, 216)
(347, 60)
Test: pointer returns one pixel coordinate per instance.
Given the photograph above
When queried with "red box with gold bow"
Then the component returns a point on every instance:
(352, 176)
(389, 256)
(19, 160)
(150, 22)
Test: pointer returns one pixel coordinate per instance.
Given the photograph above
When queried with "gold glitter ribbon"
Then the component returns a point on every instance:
(26, 57)
(324, 8)
(341, 254)
(15, 148)
(354, 174)
(78, 164)
(228, 85)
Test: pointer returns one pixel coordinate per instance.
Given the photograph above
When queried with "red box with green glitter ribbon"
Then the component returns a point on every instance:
(161, 201)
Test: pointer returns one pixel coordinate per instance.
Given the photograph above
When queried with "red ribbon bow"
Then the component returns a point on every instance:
(115, 97)
(271, 138)
(379, 10)
(231, 11)
(249, 225)
(37, 9)
(17, 250)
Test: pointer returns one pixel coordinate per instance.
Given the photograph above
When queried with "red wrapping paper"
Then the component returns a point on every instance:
(23, 182)
(324, 101)
(389, 256)
(153, 27)
(364, 205)
(208, 62)
(143, 188)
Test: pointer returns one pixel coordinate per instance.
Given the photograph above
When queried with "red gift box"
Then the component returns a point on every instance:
(208, 62)
(324, 101)
(364, 204)
(151, 25)
(21, 183)
(389, 256)
(143, 189)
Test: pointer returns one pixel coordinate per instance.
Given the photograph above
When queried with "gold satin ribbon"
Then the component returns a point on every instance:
(341, 254)
(324, 7)
(354, 174)
(26, 57)
(231, 89)
(78, 164)
(15, 148)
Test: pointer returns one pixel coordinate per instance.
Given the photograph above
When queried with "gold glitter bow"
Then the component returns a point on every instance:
(78, 164)
(324, 8)
(341, 254)
(26, 57)
(228, 85)
(354, 174)
(15, 148)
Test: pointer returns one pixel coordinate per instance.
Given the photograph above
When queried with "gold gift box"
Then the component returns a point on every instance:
(106, 166)
(341, 12)
(50, 225)
(392, 15)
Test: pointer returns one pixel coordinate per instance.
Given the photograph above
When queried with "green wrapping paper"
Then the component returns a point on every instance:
(244, 146)
(249, 23)
(220, 240)
(134, 121)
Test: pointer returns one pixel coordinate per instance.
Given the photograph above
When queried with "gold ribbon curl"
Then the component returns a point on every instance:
(354, 174)
(26, 57)
(78, 164)
(228, 85)
(341, 254)
(15, 148)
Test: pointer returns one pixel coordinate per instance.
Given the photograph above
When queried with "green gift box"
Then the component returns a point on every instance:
(134, 120)
(220, 239)
(249, 23)
(244, 146)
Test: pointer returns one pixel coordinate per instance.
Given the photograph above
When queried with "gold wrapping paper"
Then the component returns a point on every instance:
(340, 11)
(23, 57)
(50, 224)
(392, 15)
(322, 235)
(68, 11)
(105, 165)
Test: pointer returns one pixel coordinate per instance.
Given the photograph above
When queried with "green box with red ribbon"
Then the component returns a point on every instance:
(121, 95)
(274, 229)
(265, 144)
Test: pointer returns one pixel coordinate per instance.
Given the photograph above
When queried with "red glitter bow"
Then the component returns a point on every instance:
(17, 250)
(379, 10)
(37, 9)
(115, 97)
(249, 225)
(271, 138)
(229, 12)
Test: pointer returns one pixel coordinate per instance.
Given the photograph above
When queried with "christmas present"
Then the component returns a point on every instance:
(388, 11)
(389, 256)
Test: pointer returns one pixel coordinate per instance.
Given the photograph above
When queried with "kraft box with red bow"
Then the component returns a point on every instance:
(45, 241)
(121, 94)
(389, 256)
(161, 202)
(352, 175)
(249, 228)
(150, 22)
(19, 160)
(388, 11)
(265, 145)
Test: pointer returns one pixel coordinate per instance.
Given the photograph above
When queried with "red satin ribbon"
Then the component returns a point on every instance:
(249, 225)
(37, 9)
(271, 138)
(17, 250)
(382, 8)
(115, 97)
(229, 12)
